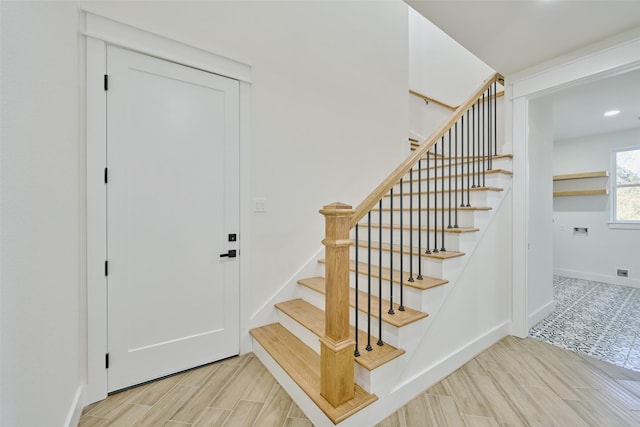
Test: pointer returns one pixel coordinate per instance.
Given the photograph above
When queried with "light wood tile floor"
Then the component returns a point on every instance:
(234, 392)
(526, 382)
(516, 382)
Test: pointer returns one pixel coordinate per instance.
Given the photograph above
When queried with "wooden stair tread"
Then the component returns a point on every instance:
(399, 319)
(302, 364)
(407, 251)
(460, 208)
(424, 284)
(468, 159)
(424, 193)
(460, 175)
(458, 230)
(313, 318)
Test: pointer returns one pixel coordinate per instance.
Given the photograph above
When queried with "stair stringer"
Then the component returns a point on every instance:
(417, 343)
(450, 338)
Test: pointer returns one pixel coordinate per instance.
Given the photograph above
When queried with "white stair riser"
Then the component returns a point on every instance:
(476, 198)
(466, 218)
(403, 337)
(432, 265)
(397, 337)
(364, 377)
(390, 332)
(461, 182)
(462, 167)
(452, 241)
(412, 297)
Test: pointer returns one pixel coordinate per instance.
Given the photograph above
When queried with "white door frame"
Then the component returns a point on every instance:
(100, 32)
(619, 58)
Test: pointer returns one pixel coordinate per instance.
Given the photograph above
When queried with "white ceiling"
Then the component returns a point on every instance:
(578, 111)
(515, 35)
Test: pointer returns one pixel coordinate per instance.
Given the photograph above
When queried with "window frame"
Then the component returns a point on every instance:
(615, 223)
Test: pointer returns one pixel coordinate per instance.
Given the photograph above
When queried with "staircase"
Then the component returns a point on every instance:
(340, 346)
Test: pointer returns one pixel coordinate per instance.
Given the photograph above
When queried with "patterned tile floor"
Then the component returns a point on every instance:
(596, 319)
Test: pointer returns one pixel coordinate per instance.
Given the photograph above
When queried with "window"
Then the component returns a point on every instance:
(626, 188)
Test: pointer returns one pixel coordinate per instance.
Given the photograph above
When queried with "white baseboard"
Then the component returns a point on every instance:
(409, 389)
(454, 360)
(614, 280)
(75, 411)
(541, 313)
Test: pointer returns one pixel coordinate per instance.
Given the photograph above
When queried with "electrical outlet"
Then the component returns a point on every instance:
(623, 273)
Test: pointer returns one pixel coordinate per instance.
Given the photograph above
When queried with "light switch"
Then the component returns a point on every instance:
(260, 205)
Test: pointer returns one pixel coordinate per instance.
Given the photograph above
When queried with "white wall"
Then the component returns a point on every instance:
(598, 255)
(540, 233)
(425, 118)
(440, 67)
(41, 214)
(320, 100)
(328, 118)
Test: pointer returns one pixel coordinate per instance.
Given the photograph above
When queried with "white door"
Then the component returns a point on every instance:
(172, 204)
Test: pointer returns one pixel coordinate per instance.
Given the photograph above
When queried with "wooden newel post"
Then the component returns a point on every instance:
(336, 347)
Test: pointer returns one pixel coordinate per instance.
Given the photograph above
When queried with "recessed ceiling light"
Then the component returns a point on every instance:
(611, 113)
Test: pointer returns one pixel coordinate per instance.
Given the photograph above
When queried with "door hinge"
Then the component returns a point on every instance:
(106, 268)
(106, 361)
(106, 175)
(106, 82)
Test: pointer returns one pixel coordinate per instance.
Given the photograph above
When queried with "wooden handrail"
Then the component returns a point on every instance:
(445, 105)
(432, 100)
(404, 167)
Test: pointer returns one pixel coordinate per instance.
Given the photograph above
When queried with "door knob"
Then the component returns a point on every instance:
(231, 254)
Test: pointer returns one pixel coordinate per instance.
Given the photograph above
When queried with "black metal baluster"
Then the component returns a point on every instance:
(468, 159)
(356, 353)
(435, 197)
(391, 253)
(473, 148)
(495, 117)
(410, 226)
(419, 219)
(456, 172)
(462, 164)
(489, 123)
(478, 140)
(442, 194)
(484, 125)
(368, 347)
(455, 179)
(428, 251)
(401, 307)
(380, 273)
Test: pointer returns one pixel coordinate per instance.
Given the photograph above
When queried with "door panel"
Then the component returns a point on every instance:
(172, 199)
